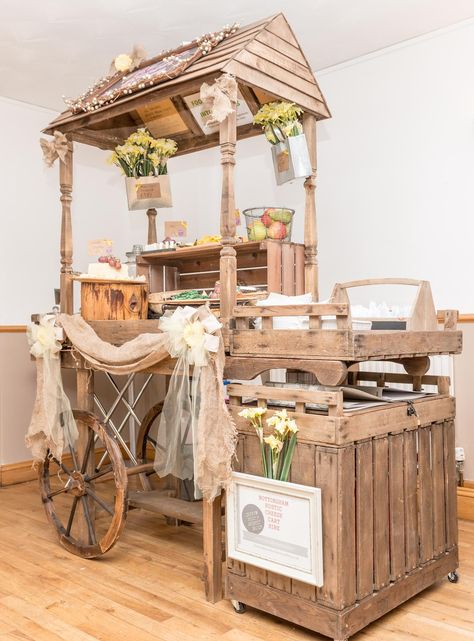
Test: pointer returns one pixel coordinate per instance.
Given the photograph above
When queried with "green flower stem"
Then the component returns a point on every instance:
(269, 458)
(288, 458)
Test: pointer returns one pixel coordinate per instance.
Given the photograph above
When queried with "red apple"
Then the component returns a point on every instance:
(277, 231)
(265, 219)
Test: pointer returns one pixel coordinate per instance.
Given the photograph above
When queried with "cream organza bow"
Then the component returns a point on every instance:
(220, 97)
(52, 427)
(191, 334)
(56, 148)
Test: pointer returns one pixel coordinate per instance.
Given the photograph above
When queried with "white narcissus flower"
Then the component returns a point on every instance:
(274, 443)
(123, 62)
(252, 413)
(292, 427)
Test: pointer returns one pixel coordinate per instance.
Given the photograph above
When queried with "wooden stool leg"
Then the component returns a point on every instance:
(212, 548)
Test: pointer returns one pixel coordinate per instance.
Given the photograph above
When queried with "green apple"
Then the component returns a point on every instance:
(280, 215)
(257, 231)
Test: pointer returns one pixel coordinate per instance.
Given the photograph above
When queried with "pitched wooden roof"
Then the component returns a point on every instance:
(264, 57)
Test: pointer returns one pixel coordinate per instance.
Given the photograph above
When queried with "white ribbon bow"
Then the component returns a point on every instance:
(191, 334)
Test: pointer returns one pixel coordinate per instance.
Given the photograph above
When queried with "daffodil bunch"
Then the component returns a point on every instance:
(142, 155)
(277, 449)
(279, 120)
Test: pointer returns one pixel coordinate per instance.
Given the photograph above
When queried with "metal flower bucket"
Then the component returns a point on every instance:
(148, 192)
(291, 159)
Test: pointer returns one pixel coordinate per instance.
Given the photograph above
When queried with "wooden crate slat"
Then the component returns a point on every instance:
(450, 485)
(253, 465)
(381, 513)
(425, 494)
(397, 507)
(326, 480)
(364, 519)
(303, 470)
(439, 499)
(299, 270)
(412, 540)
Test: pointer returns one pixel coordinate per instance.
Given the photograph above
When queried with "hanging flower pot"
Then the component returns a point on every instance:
(148, 192)
(291, 159)
(283, 129)
(143, 160)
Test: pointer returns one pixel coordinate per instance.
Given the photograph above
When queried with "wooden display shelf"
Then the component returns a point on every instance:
(277, 266)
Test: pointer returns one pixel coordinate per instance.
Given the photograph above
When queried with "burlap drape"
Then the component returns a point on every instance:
(215, 433)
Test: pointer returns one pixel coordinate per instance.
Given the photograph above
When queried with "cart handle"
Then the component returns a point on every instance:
(423, 315)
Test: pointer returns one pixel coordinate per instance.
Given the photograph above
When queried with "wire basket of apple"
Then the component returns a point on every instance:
(269, 222)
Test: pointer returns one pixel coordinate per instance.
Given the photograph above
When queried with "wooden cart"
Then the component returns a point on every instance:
(268, 64)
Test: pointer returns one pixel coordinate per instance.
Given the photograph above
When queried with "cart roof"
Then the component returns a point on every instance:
(162, 93)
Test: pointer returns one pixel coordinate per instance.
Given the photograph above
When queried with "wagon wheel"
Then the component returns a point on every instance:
(147, 442)
(87, 507)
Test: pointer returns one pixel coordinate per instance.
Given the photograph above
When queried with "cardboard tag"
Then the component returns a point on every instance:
(176, 229)
(283, 162)
(101, 247)
(149, 190)
(201, 114)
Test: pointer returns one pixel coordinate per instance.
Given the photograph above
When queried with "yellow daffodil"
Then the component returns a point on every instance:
(274, 443)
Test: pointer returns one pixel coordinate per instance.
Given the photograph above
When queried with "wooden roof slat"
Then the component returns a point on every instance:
(280, 59)
(259, 79)
(278, 44)
(280, 27)
(274, 71)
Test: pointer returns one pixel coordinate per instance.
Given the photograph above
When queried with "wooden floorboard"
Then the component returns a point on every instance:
(149, 587)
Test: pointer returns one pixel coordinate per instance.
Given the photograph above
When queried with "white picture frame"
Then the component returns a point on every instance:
(276, 526)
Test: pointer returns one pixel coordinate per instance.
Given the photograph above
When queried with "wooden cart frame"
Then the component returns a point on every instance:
(267, 63)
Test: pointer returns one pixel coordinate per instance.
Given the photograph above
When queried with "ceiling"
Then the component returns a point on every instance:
(53, 47)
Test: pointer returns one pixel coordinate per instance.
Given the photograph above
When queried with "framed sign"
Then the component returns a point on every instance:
(276, 526)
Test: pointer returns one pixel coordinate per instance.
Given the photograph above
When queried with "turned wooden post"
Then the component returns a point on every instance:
(152, 236)
(65, 184)
(310, 227)
(228, 262)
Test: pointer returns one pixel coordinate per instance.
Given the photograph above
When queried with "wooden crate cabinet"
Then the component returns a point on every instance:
(388, 488)
(276, 265)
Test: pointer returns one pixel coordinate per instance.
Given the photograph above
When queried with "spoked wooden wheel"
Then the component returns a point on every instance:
(87, 507)
(147, 442)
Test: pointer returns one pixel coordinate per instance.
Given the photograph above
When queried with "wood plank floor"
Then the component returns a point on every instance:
(148, 588)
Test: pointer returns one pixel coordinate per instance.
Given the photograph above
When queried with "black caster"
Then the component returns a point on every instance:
(453, 577)
(239, 607)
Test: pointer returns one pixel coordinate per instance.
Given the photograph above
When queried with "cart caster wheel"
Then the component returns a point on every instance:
(239, 607)
(453, 577)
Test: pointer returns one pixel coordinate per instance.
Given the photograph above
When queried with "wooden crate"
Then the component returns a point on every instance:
(339, 344)
(275, 265)
(388, 486)
(110, 300)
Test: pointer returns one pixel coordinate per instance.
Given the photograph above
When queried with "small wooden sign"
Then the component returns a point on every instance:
(202, 114)
(149, 190)
(101, 247)
(176, 229)
(283, 161)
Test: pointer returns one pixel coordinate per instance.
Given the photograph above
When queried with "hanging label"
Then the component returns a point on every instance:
(149, 190)
(201, 114)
